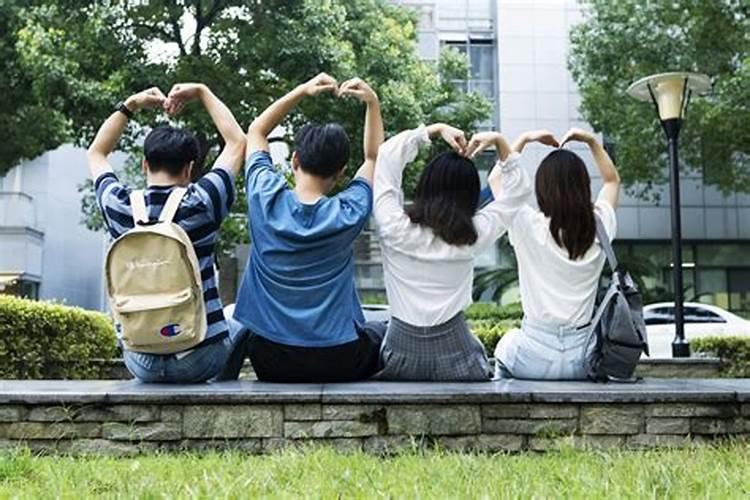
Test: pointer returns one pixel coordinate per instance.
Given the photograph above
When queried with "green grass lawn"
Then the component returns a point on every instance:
(697, 472)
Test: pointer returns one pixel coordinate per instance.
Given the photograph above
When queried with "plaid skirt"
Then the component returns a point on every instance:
(446, 352)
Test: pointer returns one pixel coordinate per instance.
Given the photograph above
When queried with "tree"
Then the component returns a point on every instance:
(83, 60)
(28, 128)
(622, 41)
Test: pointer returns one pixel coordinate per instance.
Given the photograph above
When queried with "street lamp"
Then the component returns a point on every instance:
(670, 93)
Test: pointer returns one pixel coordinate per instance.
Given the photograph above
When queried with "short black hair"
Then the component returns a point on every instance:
(170, 149)
(323, 150)
(447, 198)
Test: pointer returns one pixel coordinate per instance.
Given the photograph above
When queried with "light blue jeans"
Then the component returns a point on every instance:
(541, 351)
(221, 360)
(197, 365)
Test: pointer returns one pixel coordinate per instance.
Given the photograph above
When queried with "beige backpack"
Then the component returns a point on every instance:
(154, 282)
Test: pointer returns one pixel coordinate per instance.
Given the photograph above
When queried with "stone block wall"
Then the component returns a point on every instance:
(124, 429)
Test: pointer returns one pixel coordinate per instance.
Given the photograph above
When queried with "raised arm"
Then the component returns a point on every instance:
(610, 177)
(486, 140)
(453, 137)
(234, 139)
(399, 151)
(111, 130)
(541, 136)
(374, 134)
(257, 134)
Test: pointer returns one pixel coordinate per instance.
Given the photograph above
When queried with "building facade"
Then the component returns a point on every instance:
(45, 250)
(518, 52)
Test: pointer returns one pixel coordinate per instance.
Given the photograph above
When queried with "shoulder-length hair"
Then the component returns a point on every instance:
(563, 193)
(447, 198)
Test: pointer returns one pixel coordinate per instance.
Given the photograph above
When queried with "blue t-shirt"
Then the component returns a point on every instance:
(298, 288)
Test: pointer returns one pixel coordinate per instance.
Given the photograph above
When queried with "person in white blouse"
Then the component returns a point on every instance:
(429, 248)
(559, 263)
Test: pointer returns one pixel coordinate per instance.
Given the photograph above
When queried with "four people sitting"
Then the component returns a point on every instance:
(298, 317)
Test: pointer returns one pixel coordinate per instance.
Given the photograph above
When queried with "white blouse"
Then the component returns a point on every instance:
(554, 289)
(427, 280)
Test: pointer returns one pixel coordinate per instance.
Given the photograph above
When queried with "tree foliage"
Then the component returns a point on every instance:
(620, 42)
(74, 60)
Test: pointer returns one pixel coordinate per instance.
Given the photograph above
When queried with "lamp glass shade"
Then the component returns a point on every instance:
(669, 91)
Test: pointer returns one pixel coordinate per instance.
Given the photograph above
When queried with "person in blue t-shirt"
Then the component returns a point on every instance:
(298, 299)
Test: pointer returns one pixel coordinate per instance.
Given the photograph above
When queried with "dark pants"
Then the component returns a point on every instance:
(356, 360)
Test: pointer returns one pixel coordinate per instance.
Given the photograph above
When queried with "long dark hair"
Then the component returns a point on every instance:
(447, 197)
(563, 193)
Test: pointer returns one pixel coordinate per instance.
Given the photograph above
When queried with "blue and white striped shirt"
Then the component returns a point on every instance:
(204, 207)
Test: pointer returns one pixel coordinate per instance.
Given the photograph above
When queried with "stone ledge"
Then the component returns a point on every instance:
(13, 392)
(122, 418)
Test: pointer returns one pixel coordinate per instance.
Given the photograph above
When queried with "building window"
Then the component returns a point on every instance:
(713, 273)
(19, 287)
(739, 290)
(482, 72)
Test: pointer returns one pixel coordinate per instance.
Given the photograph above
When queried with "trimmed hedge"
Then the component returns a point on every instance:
(490, 321)
(40, 340)
(734, 353)
(490, 331)
(492, 311)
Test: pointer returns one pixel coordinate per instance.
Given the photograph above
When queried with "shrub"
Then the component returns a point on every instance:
(490, 331)
(733, 351)
(44, 340)
(492, 311)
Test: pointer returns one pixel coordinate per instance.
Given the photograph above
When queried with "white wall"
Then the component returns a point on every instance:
(71, 257)
(535, 87)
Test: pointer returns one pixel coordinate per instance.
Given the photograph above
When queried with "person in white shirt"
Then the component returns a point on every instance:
(559, 264)
(429, 248)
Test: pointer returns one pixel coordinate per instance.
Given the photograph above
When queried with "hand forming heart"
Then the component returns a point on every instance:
(146, 99)
(355, 87)
(544, 137)
(180, 95)
(578, 135)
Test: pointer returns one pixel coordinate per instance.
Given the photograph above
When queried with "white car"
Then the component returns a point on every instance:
(701, 320)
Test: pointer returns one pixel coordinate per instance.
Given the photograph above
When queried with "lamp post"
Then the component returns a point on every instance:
(670, 93)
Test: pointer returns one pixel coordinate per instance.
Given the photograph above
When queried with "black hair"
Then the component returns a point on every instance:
(563, 193)
(323, 150)
(447, 197)
(170, 149)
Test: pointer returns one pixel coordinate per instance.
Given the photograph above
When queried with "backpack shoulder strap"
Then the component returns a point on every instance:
(599, 312)
(601, 233)
(172, 204)
(138, 205)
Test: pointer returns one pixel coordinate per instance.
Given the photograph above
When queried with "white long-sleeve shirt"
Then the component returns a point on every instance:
(555, 289)
(427, 280)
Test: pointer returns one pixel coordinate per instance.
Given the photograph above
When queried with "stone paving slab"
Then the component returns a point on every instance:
(130, 391)
(649, 390)
(434, 392)
(740, 385)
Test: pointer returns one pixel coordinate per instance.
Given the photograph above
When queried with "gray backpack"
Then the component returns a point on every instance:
(618, 335)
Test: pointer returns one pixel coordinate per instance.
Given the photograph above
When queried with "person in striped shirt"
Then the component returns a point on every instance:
(169, 156)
